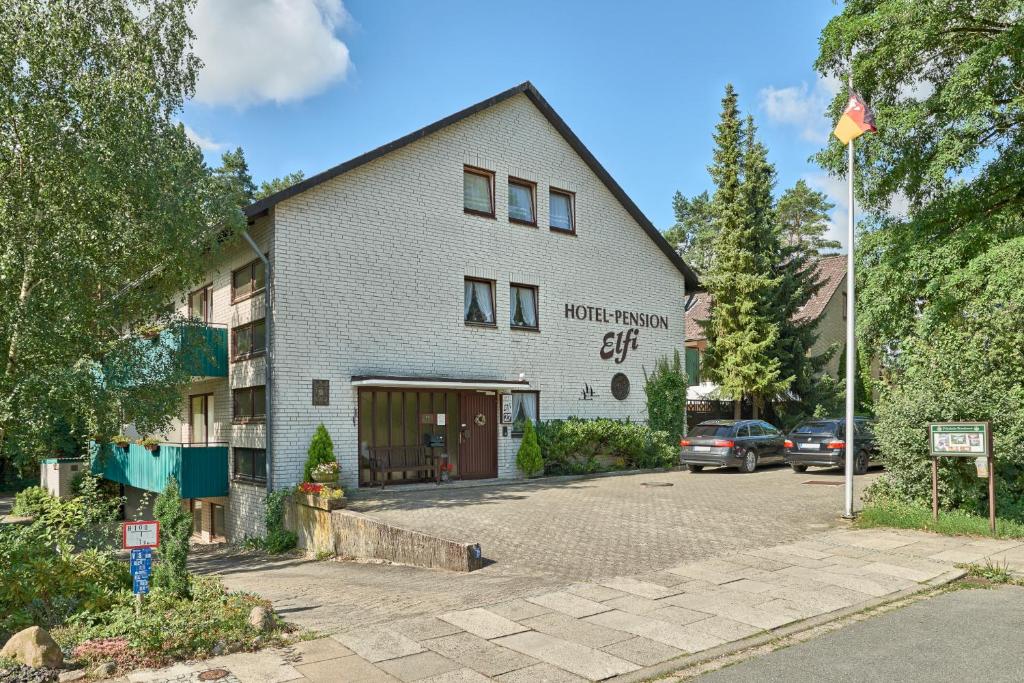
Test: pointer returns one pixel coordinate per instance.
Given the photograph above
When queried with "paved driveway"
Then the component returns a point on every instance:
(627, 524)
(542, 535)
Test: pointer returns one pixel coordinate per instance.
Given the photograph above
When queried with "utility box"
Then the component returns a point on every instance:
(56, 475)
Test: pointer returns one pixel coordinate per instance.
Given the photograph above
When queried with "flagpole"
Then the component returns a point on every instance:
(851, 346)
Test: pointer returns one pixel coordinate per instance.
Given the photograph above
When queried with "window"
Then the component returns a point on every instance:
(756, 429)
(712, 430)
(769, 429)
(248, 281)
(217, 527)
(200, 304)
(523, 307)
(251, 464)
(249, 340)
(197, 516)
(743, 431)
(560, 208)
(478, 191)
(520, 202)
(525, 406)
(479, 302)
(250, 404)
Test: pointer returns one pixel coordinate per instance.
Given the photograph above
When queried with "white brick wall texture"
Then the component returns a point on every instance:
(368, 280)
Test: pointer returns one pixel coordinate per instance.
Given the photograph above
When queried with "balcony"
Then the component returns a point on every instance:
(201, 471)
(203, 348)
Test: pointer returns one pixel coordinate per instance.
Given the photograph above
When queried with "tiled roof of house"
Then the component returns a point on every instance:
(831, 272)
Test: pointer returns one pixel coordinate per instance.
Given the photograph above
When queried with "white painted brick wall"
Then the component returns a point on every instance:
(369, 280)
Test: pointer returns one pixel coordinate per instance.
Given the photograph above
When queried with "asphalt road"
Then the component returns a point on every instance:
(967, 635)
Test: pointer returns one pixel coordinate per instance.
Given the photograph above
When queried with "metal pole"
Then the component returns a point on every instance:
(935, 489)
(851, 345)
(991, 482)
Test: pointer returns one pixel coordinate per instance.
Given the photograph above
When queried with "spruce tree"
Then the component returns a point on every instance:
(740, 330)
(803, 220)
(693, 234)
(234, 177)
(321, 452)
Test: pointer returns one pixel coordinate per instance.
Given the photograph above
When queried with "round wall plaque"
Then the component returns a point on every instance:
(620, 386)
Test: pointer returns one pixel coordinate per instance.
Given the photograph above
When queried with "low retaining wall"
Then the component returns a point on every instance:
(322, 528)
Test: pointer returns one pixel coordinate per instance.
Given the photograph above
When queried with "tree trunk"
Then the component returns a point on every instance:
(737, 409)
(757, 408)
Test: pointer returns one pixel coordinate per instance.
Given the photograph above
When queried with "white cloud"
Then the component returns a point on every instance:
(802, 106)
(268, 50)
(205, 144)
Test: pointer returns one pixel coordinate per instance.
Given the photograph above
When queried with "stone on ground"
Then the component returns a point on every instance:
(261, 618)
(34, 647)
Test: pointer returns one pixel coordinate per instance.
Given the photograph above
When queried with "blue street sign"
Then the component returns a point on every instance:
(141, 563)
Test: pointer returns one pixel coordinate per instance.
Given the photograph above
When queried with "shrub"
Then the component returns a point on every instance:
(576, 446)
(321, 450)
(31, 502)
(279, 539)
(171, 572)
(666, 397)
(528, 459)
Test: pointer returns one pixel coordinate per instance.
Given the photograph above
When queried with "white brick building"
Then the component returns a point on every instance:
(393, 292)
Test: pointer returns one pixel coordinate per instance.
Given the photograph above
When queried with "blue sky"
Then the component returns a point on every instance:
(307, 84)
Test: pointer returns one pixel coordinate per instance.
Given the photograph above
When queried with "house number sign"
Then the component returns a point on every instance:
(506, 409)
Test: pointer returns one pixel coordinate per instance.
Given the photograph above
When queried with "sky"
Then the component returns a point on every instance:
(308, 84)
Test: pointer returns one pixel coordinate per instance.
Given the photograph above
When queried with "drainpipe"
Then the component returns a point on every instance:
(267, 298)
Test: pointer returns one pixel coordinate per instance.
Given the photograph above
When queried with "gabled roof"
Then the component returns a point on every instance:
(262, 206)
(831, 272)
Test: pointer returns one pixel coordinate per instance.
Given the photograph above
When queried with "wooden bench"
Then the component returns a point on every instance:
(384, 460)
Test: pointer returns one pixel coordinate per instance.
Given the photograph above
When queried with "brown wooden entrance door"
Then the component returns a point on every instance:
(478, 443)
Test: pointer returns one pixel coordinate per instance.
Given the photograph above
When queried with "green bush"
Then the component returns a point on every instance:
(171, 572)
(168, 627)
(31, 502)
(321, 450)
(279, 539)
(528, 458)
(666, 397)
(966, 362)
(576, 446)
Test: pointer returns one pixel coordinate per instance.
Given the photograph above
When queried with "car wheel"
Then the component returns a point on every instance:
(695, 468)
(860, 465)
(749, 463)
(799, 469)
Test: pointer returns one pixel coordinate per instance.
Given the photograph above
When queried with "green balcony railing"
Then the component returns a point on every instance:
(201, 471)
(204, 348)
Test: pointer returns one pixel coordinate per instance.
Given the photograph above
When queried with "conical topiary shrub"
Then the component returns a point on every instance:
(321, 450)
(528, 459)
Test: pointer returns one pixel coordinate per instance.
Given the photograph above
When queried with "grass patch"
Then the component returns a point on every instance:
(951, 522)
(991, 572)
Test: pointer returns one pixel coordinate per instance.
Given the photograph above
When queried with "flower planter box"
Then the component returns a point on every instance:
(319, 502)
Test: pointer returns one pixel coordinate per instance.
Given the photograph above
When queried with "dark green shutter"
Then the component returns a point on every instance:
(692, 366)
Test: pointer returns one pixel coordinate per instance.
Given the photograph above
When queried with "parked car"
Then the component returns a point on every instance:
(822, 443)
(743, 444)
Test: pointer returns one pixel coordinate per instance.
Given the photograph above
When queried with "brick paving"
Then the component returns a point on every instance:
(626, 628)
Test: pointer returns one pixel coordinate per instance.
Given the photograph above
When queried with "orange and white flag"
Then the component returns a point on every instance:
(856, 120)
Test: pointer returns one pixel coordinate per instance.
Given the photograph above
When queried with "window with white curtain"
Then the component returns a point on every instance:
(525, 406)
(477, 194)
(478, 307)
(520, 202)
(560, 208)
(523, 307)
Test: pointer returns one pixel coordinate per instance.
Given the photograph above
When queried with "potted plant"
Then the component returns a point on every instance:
(325, 473)
(150, 443)
(446, 469)
(121, 441)
(149, 331)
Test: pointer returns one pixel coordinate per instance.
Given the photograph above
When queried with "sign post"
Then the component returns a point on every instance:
(962, 440)
(140, 538)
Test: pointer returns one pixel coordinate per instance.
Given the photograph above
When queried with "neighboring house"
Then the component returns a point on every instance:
(427, 298)
(827, 307)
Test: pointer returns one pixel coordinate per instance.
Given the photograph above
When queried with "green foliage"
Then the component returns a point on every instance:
(741, 331)
(279, 539)
(269, 187)
(99, 185)
(665, 388)
(168, 627)
(899, 515)
(234, 178)
(171, 572)
(321, 450)
(31, 502)
(967, 364)
(693, 233)
(993, 572)
(576, 446)
(528, 458)
(803, 219)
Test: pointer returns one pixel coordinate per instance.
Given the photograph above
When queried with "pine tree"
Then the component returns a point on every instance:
(693, 233)
(233, 174)
(321, 451)
(803, 220)
(528, 458)
(740, 330)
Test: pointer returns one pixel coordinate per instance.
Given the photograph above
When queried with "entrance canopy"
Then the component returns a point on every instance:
(470, 384)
